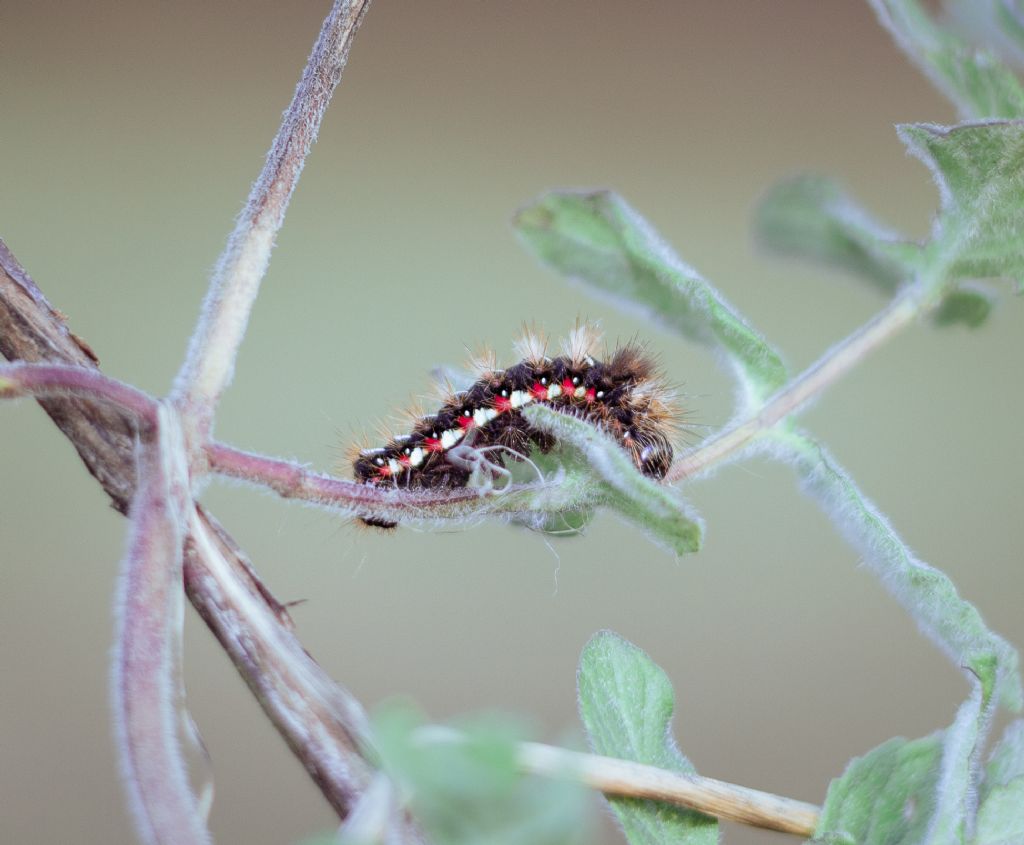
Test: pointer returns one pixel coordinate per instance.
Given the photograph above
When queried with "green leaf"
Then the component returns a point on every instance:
(598, 239)
(626, 705)
(974, 80)
(927, 593)
(998, 24)
(883, 797)
(654, 507)
(811, 216)
(466, 788)
(979, 170)
(1006, 762)
(1001, 815)
(920, 792)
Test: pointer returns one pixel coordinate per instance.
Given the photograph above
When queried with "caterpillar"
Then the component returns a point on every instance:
(624, 395)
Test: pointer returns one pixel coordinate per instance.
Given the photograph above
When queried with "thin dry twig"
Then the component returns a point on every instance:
(33, 330)
(210, 361)
(624, 778)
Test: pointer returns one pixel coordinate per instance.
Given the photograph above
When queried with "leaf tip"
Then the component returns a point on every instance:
(535, 217)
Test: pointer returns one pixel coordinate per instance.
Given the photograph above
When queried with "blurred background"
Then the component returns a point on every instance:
(130, 135)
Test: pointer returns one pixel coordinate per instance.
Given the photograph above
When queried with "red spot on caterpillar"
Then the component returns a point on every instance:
(539, 391)
(591, 394)
(466, 422)
(502, 404)
(432, 444)
(567, 386)
(405, 460)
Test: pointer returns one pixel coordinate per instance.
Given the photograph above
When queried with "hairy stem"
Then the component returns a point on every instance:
(825, 371)
(52, 380)
(210, 361)
(146, 666)
(294, 481)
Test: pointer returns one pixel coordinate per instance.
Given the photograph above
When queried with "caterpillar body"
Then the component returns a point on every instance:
(624, 395)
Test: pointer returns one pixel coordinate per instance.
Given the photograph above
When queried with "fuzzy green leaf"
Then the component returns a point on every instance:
(920, 792)
(883, 797)
(811, 216)
(974, 80)
(469, 790)
(1001, 815)
(598, 239)
(927, 593)
(1006, 763)
(652, 506)
(626, 705)
(979, 170)
(995, 23)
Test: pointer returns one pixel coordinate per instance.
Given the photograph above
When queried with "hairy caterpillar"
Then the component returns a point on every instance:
(625, 396)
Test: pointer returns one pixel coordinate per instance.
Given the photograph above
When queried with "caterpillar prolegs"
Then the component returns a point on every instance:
(624, 395)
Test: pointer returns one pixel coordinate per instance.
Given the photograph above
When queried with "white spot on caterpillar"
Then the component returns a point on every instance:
(416, 457)
(482, 416)
(450, 437)
(394, 466)
(554, 390)
(579, 392)
(520, 398)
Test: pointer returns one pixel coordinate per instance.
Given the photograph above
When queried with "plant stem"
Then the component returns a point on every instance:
(835, 363)
(210, 361)
(294, 481)
(146, 686)
(626, 779)
(52, 380)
